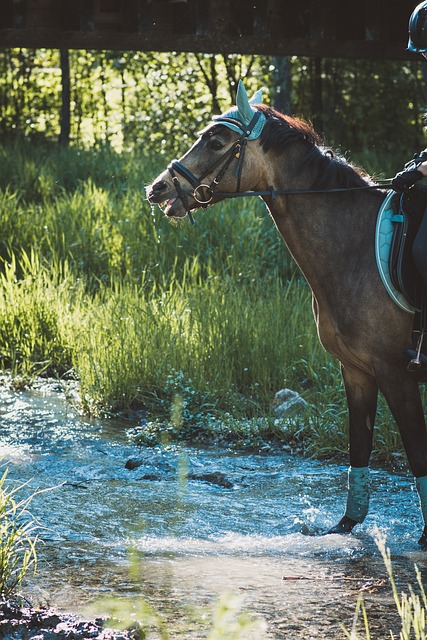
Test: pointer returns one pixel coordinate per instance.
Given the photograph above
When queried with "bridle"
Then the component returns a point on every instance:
(204, 193)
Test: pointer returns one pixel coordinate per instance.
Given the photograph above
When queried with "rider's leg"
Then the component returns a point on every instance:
(419, 254)
(419, 249)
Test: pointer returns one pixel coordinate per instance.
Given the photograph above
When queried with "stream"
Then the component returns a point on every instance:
(188, 527)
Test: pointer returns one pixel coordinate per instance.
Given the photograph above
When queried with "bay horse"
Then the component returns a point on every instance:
(325, 209)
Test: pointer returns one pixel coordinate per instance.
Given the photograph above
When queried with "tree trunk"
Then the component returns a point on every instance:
(65, 121)
(317, 94)
(282, 84)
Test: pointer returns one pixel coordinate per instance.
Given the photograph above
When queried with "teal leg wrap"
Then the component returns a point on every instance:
(421, 484)
(358, 493)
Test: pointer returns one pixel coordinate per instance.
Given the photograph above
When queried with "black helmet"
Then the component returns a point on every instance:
(418, 29)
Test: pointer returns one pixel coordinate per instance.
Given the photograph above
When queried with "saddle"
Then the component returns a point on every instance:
(409, 210)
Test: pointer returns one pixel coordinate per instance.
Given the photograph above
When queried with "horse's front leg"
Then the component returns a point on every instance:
(404, 399)
(362, 393)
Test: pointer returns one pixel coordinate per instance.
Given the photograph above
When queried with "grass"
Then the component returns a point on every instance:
(95, 286)
(18, 539)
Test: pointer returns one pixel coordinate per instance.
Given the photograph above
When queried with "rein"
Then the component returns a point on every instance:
(204, 193)
(289, 192)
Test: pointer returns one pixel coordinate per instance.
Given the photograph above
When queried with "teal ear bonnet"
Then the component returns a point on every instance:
(238, 118)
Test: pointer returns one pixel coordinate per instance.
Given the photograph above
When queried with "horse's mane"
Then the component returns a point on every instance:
(330, 169)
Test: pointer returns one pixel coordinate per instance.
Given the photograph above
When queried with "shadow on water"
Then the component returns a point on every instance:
(241, 523)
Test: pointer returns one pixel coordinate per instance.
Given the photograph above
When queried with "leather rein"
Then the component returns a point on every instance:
(204, 193)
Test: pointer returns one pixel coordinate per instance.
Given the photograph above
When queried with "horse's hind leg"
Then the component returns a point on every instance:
(362, 393)
(404, 400)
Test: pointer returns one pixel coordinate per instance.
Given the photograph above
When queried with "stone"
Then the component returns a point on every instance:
(287, 402)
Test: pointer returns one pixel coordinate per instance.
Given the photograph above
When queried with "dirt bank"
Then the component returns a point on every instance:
(26, 623)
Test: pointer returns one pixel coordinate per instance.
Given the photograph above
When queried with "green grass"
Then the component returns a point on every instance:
(95, 286)
(18, 539)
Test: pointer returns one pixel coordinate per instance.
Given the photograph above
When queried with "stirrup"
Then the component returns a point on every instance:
(417, 358)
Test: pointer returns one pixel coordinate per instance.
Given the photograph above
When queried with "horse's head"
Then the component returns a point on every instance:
(221, 156)
(239, 152)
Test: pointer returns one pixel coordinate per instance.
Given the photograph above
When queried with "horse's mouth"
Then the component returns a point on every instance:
(167, 206)
(172, 205)
(173, 208)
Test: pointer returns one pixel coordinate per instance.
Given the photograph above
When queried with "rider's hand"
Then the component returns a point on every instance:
(405, 179)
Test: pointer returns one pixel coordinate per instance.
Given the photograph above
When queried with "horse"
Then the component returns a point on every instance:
(325, 208)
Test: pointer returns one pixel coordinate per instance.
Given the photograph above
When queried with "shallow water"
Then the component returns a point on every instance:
(110, 531)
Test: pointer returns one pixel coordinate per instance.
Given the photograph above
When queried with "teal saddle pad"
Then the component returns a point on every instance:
(383, 238)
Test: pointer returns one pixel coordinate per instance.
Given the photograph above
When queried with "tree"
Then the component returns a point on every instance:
(65, 122)
(282, 79)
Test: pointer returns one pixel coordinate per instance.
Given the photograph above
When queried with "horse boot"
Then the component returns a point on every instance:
(357, 500)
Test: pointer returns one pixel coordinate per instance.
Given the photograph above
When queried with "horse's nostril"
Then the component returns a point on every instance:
(159, 186)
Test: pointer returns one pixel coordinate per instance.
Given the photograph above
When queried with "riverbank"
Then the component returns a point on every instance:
(27, 623)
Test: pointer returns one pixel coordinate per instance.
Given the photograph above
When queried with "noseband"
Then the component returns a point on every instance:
(203, 193)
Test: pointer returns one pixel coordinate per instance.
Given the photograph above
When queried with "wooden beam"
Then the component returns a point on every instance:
(220, 42)
(319, 28)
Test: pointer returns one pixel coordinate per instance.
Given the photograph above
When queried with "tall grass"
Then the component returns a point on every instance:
(90, 209)
(96, 286)
(18, 539)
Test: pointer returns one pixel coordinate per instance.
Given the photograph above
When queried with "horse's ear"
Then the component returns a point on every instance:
(256, 98)
(242, 103)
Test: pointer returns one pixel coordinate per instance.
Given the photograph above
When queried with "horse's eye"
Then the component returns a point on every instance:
(215, 144)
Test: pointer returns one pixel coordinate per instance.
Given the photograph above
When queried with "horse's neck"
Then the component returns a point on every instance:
(325, 234)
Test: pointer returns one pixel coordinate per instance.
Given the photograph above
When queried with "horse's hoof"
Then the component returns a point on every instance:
(423, 540)
(345, 525)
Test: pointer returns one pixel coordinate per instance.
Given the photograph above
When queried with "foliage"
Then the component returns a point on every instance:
(366, 106)
(157, 102)
(125, 99)
(18, 539)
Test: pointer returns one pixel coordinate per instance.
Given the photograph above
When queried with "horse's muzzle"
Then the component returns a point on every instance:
(165, 196)
(157, 192)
